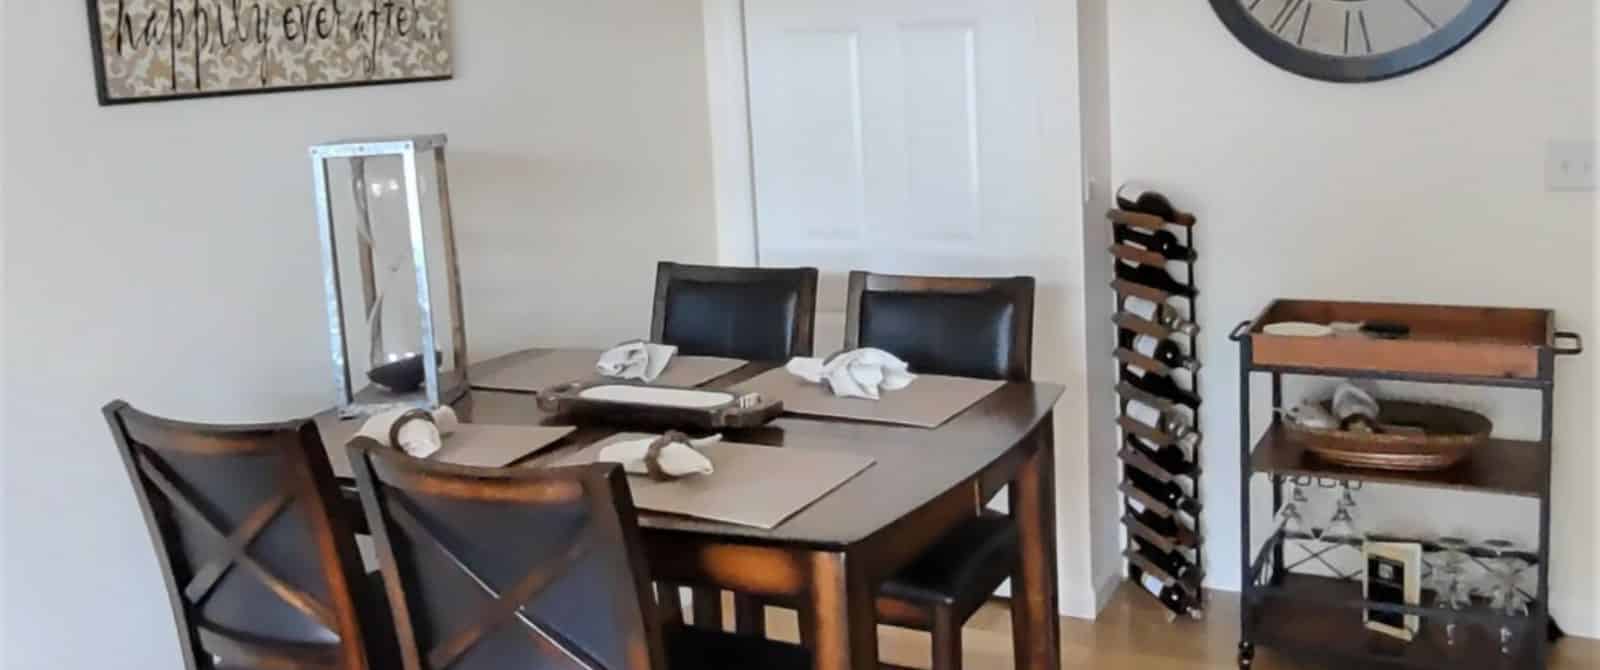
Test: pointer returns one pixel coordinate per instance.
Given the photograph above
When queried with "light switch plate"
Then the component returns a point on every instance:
(1570, 165)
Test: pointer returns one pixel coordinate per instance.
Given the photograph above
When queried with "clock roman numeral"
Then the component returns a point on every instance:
(1285, 15)
(1304, 20)
(1365, 36)
(1425, 18)
(1347, 31)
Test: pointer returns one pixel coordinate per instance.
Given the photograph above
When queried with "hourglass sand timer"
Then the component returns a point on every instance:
(395, 318)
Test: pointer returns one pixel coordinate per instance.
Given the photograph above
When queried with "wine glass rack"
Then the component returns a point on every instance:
(1167, 321)
(1313, 616)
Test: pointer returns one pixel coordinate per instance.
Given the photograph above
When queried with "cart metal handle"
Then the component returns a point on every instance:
(1239, 331)
(1574, 350)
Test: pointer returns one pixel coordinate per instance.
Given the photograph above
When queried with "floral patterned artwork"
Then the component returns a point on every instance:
(158, 49)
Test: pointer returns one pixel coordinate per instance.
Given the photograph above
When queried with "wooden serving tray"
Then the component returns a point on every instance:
(1493, 342)
(627, 404)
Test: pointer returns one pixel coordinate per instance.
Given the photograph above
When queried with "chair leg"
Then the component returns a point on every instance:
(707, 608)
(670, 604)
(946, 640)
(749, 616)
(808, 625)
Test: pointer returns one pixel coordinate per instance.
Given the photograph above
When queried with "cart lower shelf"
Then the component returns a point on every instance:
(1308, 625)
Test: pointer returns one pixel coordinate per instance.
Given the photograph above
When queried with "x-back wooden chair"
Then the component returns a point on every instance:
(526, 568)
(260, 570)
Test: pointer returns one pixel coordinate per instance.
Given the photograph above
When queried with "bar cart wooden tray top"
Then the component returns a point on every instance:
(1444, 340)
(1467, 346)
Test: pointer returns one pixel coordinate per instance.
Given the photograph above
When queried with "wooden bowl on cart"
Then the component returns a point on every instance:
(1447, 437)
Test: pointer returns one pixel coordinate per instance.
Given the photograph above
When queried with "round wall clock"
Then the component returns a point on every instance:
(1355, 40)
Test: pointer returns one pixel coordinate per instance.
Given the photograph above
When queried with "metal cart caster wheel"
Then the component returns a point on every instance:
(1247, 655)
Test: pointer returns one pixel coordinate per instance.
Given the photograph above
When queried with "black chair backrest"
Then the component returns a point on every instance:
(966, 327)
(512, 568)
(260, 569)
(758, 314)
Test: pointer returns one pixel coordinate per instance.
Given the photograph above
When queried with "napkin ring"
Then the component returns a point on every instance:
(407, 417)
(652, 455)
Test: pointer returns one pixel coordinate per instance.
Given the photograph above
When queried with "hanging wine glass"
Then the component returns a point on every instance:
(1455, 594)
(1344, 536)
(1505, 595)
(1342, 528)
(1291, 523)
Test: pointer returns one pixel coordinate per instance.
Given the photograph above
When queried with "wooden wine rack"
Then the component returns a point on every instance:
(1189, 537)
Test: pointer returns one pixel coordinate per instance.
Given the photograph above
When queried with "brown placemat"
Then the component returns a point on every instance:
(490, 446)
(928, 402)
(753, 485)
(474, 444)
(533, 372)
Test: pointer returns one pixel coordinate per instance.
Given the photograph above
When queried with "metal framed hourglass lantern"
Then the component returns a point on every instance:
(395, 317)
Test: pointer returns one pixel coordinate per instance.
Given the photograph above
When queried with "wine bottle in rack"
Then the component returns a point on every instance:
(1163, 242)
(1166, 352)
(1171, 422)
(1171, 494)
(1140, 198)
(1175, 564)
(1160, 386)
(1162, 524)
(1172, 597)
(1172, 458)
(1165, 526)
(1153, 277)
(1159, 313)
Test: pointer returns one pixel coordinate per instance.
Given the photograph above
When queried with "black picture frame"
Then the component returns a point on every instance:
(1443, 42)
(103, 90)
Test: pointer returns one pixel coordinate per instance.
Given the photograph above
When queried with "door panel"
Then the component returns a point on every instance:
(895, 135)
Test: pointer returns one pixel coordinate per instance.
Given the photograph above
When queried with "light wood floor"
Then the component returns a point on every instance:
(1131, 634)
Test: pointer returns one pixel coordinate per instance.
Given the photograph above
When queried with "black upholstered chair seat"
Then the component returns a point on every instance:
(695, 648)
(960, 572)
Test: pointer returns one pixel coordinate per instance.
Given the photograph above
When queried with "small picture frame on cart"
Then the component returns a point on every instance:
(1393, 577)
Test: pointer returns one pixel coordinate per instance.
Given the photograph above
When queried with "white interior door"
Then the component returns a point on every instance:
(895, 135)
(908, 136)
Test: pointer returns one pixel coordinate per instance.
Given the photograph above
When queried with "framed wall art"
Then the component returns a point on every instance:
(148, 50)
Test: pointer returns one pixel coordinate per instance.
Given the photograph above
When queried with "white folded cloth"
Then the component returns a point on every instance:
(862, 373)
(637, 360)
(1311, 414)
(677, 458)
(417, 432)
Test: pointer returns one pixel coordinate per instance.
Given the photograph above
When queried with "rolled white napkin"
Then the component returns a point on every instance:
(678, 457)
(862, 373)
(417, 432)
(637, 360)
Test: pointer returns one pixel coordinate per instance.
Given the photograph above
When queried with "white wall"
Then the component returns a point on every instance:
(3, 146)
(1425, 188)
(1104, 504)
(167, 253)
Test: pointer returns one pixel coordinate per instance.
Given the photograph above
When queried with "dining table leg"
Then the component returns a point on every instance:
(839, 611)
(1035, 633)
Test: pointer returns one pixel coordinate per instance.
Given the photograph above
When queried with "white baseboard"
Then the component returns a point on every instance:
(1105, 591)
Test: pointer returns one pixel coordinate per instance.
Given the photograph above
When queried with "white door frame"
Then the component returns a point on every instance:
(732, 157)
(1083, 593)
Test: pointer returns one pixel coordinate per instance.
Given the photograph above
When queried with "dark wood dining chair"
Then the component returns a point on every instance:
(261, 570)
(527, 568)
(757, 314)
(967, 327)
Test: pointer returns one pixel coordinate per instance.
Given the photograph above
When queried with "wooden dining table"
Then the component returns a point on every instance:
(831, 557)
